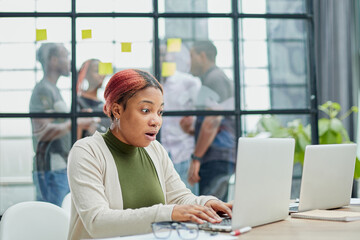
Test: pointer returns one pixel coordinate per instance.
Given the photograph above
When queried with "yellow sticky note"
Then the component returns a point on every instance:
(174, 44)
(105, 68)
(126, 46)
(168, 69)
(41, 35)
(86, 34)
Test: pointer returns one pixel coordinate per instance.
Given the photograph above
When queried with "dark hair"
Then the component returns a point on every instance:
(207, 47)
(46, 51)
(125, 84)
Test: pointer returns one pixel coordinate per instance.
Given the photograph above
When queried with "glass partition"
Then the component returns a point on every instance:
(274, 64)
(272, 6)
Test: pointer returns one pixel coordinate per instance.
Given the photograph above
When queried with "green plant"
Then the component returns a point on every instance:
(331, 131)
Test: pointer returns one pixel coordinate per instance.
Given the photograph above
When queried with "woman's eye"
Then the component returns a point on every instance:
(145, 110)
(161, 113)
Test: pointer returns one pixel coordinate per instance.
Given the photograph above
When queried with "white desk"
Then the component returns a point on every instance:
(294, 228)
(299, 229)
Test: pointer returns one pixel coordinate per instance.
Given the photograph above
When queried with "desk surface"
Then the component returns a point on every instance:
(295, 228)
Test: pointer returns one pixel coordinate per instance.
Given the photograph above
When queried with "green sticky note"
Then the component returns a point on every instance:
(86, 34)
(126, 46)
(41, 35)
(174, 44)
(168, 69)
(105, 68)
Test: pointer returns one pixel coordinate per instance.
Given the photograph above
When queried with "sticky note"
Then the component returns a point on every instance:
(126, 46)
(41, 35)
(174, 44)
(105, 68)
(86, 34)
(168, 69)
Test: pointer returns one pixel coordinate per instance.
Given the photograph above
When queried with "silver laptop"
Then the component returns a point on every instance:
(262, 182)
(327, 177)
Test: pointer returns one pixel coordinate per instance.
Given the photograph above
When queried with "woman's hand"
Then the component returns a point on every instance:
(220, 206)
(195, 213)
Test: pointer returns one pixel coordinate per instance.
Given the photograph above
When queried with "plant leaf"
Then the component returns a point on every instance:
(324, 125)
(357, 169)
(336, 106)
(330, 137)
(336, 125)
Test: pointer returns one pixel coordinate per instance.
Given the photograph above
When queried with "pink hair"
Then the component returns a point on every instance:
(124, 84)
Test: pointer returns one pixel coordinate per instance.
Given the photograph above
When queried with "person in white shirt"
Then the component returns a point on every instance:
(180, 93)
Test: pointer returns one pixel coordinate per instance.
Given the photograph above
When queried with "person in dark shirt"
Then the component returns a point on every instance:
(88, 84)
(213, 160)
(51, 136)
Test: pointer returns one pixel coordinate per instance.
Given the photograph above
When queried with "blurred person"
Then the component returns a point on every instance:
(51, 136)
(213, 159)
(88, 83)
(180, 91)
(123, 180)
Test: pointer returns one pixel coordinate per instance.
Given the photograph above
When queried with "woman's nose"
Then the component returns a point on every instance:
(156, 121)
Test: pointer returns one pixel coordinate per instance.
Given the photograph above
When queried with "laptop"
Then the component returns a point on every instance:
(262, 183)
(327, 177)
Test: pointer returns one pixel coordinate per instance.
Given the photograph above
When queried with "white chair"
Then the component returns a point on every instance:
(34, 220)
(66, 203)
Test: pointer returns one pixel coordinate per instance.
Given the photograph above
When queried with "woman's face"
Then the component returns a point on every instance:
(93, 76)
(139, 123)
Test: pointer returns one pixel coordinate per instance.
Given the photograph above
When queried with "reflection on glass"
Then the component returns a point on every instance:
(272, 6)
(207, 6)
(274, 64)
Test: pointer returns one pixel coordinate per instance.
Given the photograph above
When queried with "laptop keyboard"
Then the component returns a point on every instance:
(224, 225)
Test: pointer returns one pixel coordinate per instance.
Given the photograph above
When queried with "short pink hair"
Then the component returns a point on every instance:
(124, 84)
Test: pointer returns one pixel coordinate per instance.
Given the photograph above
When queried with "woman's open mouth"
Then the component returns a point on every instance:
(151, 135)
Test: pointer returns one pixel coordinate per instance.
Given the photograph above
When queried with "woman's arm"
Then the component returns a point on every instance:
(96, 210)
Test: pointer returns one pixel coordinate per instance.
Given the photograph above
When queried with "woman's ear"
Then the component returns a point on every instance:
(116, 110)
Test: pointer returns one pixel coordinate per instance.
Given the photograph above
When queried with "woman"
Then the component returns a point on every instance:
(123, 180)
(88, 84)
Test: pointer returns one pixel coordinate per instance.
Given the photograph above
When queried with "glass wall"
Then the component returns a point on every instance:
(236, 61)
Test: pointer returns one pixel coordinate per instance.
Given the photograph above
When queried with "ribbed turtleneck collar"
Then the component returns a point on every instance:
(118, 145)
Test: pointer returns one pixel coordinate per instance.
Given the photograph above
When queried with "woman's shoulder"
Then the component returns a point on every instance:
(155, 145)
(89, 142)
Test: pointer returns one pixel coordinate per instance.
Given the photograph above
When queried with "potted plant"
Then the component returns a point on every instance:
(331, 131)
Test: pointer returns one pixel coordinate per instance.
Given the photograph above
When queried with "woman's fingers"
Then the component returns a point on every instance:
(194, 213)
(220, 206)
